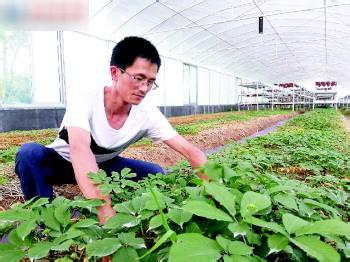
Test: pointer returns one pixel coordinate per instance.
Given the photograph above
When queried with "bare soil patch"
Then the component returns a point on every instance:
(161, 154)
(158, 152)
(19, 137)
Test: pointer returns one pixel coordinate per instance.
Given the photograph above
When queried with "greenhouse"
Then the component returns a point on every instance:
(160, 130)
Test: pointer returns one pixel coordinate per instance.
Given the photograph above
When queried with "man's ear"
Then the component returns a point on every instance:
(114, 72)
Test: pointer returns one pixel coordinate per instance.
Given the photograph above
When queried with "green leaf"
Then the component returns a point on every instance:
(130, 175)
(85, 223)
(87, 203)
(25, 228)
(323, 206)
(129, 239)
(93, 232)
(49, 218)
(155, 198)
(62, 214)
(228, 173)
(213, 170)
(120, 221)
(287, 200)
(105, 189)
(40, 250)
(7, 246)
(11, 255)
(346, 250)
(293, 223)
(277, 242)
(281, 188)
(191, 247)
(206, 210)
(104, 247)
(305, 210)
(234, 247)
(26, 204)
(70, 234)
(40, 202)
(155, 222)
(130, 183)
(222, 195)
(16, 240)
(125, 254)
(194, 192)
(192, 227)
(179, 216)
(138, 203)
(253, 238)
(151, 204)
(164, 238)
(316, 248)
(117, 189)
(326, 227)
(115, 176)
(63, 246)
(60, 200)
(236, 258)
(13, 215)
(124, 207)
(239, 229)
(125, 172)
(238, 195)
(264, 224)
(145, 215)
(253, 202)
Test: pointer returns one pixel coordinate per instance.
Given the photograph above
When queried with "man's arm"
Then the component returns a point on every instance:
(192, 153)
(84, 161)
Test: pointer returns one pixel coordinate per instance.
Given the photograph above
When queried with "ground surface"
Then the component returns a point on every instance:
(346, 121)
(157, 152)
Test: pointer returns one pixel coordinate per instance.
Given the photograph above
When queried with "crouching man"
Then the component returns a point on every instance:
(97, 129)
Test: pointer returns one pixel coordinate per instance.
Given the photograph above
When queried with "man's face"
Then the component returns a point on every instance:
(135, 81)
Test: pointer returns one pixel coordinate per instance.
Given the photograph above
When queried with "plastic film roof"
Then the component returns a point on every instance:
(305, 40)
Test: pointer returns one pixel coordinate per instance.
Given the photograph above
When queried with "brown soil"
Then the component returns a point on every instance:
(158, 152)
(161, 154)
(180, 120)
(295, 171)
(19, 137)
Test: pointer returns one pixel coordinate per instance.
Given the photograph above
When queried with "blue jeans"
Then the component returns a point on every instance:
(39, 168)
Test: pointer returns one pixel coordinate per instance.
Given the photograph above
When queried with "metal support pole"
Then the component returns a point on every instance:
(256, 96)
(293, 96)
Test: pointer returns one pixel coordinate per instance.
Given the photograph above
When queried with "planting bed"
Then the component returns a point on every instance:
(206, 131)
(280, 197)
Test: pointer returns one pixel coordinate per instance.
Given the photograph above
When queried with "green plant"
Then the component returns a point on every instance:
(281, 197)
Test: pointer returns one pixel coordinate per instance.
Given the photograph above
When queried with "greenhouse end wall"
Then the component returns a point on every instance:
(42, 118)
(30, 118)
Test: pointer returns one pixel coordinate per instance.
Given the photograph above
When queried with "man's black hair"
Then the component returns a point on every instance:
(127, 50)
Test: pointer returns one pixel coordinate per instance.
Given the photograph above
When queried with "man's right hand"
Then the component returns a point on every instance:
(84, 161)
(104, 213)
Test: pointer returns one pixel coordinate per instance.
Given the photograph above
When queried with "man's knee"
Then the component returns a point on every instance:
(30, 153)
(155, 168)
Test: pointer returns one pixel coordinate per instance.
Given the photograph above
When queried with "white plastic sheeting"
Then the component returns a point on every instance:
(302, 41)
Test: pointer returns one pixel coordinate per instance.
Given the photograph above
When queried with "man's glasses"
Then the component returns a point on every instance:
(137, 79)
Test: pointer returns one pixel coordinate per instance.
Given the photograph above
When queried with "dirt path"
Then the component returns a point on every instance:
(158, 153)
(346, 123)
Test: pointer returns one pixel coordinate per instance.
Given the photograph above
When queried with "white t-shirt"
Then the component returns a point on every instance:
(144, 120)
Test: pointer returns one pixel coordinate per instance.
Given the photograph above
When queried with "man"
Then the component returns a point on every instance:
(103, 124)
